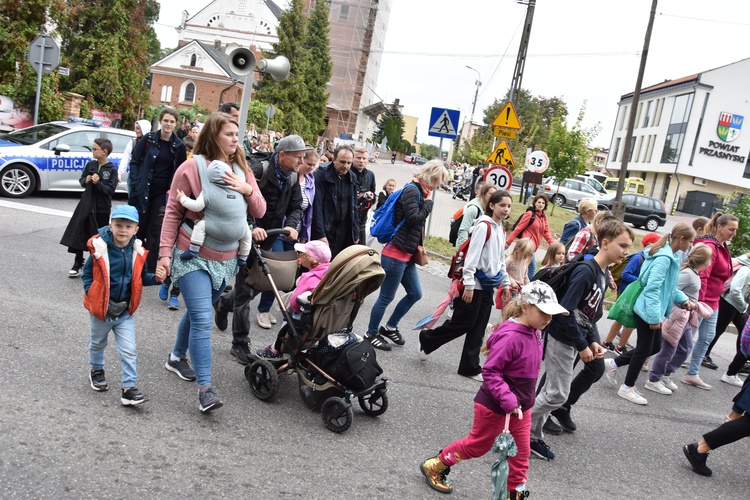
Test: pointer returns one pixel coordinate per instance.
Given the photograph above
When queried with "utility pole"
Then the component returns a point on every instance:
(618, 208)
(478, 83)
(515, 86)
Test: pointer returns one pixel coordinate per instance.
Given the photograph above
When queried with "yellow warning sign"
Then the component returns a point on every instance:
(504, 133)
(501, 155)
(507, 118)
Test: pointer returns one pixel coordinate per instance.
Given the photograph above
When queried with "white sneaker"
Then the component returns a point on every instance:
(272, 318)
(478, 377)
(667, 381)
(732, 380)
(657, 387)
(631, 395)
(610, 370)
(423, 356)
(264, 320)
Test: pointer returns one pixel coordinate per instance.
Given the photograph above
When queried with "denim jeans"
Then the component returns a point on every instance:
(706, 333)
(396, 272)
(124, 330)
(194, 330)
(532, 268)
(266, 298)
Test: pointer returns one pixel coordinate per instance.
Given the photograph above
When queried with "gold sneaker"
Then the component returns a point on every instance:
(436, 471)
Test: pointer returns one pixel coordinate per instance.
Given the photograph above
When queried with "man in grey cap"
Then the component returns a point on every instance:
(279, 184)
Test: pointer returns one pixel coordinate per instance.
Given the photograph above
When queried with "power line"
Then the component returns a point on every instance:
(458, 55)
(704, 20)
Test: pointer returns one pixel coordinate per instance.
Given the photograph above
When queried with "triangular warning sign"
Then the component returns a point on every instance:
(507, 118)
(501, 155)
(443, 125)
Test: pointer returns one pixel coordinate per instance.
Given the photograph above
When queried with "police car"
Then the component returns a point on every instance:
(51, 156)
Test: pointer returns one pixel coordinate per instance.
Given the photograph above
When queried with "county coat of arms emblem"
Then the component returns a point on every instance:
(729, 126)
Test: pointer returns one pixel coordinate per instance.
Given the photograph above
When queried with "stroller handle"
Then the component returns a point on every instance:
(277, 232)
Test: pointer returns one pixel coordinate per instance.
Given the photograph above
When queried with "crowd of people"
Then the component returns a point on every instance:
(197, 198)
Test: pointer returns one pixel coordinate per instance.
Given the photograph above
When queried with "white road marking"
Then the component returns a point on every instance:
(35, 209)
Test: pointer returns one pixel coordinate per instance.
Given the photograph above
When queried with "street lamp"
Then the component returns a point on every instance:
(478, 83)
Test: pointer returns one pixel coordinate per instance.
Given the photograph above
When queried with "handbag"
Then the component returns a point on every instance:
(420, 257)
(622, 310)
(283, 268)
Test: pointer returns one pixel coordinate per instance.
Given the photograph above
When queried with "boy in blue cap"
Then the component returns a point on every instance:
(113, 279)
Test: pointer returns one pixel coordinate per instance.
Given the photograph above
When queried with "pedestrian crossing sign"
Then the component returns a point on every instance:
(443, 123)
(501, 155)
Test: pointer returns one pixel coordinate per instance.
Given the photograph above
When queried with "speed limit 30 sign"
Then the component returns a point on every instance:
(499, 176)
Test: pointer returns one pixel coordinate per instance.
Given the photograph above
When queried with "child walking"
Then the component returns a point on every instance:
(514, 356)
(484, 270)
(555, 256)
(113, 278)
(677, 337)
(517, 264)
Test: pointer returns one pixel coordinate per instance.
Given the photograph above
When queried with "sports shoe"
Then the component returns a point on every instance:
(392, 335)
(264, 320)
(98, 381)
(667, 381)
(563, 417)
(697, 460)
(657, 387)
(75, 271)
(435, 472)
(745, 369)
(696, 381)
(269, 353)
(174, 303)
(181, 367)
(551, 427)
(421, 355)
(709, 363)
(518, 495)
(208, 399)
(378, 342)
(220, 318)
(478, 377)
(644, 366)
(164, 291)
(610, 347)
(621, 349)
(241, 352)
(732, 380)
(610, 370)
(631, 395)
(132, 397)
(541, 450)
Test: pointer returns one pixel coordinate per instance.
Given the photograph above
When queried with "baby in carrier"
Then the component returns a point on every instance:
(315, 256)
(214, 172)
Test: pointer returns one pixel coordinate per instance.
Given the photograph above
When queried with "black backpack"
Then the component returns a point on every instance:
(357, 367)
(557, 277)
(531, 221)
(456, 225)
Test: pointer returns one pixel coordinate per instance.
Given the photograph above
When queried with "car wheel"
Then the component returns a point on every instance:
(17, 181)
(652, 224)
(558, 200)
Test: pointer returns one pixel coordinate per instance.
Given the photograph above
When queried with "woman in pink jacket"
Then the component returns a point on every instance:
(719, 231)
(535, 229)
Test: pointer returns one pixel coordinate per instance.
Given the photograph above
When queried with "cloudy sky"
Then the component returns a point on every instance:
(580, 50)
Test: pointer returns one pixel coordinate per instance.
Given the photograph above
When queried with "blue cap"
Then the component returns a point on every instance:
(125, 212)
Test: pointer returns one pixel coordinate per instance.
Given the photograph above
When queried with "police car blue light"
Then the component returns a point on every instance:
(51, 156)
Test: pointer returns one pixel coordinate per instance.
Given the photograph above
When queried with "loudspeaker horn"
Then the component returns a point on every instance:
(241, 61)
(277, 67)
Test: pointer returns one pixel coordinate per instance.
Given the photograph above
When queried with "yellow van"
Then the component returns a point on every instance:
(632, 185)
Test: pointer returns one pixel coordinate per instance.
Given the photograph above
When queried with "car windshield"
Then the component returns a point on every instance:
(32, 135)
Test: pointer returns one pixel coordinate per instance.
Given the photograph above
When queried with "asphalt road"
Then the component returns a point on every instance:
(60, 439)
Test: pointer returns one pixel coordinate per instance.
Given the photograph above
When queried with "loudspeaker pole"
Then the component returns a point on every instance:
(245, 105)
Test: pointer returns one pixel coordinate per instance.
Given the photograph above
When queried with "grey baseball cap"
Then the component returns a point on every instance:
(292, 143)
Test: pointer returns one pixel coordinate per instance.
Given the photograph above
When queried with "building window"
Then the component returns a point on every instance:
(189, 92)
(623, 115)
(632, 148)
(166, 93)
(677, 126)
(344, 13)
(638, 116)
(649, 151)
(647, 116)
(659, 107)
(617, 149)
(638, 149)
(193, 59)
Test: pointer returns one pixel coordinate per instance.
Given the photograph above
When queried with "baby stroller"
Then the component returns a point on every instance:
(328, 377)
(462, 189)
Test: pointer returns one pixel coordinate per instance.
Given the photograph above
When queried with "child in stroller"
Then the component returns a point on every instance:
(316, 257)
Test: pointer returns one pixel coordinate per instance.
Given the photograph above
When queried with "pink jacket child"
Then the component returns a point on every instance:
(508, 390)
(315, 256)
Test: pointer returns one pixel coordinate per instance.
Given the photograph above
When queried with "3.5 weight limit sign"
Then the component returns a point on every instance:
(500, 177)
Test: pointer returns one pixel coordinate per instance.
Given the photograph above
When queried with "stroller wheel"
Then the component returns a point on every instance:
(374, 404)
(337, 414)
(263, 379)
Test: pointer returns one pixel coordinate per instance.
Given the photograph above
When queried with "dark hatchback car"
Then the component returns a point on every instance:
(643, 211)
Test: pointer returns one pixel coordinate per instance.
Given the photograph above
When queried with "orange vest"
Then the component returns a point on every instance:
(96, 300)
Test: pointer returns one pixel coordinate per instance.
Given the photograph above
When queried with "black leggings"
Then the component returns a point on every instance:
(728, 314)
(728, 432)
(647, 344)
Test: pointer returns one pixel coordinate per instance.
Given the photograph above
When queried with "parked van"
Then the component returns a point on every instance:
(596, 175)
(632, 185)
(593, 183)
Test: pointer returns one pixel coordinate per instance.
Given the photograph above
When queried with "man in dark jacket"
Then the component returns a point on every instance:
(279, 183)
(335, 215)
(367, 188)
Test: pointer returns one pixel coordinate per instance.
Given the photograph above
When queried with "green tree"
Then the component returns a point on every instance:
(391, 125)
(318, 71)
(108, 44)
(288, 96)
(568, 149)
(429, 151)
(741, 241)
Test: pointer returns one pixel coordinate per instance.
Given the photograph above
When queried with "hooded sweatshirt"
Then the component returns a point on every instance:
(740, 280)
(511, 369)
(123, 169)
(307, 282)
(486, 255)
(659, 276)
(714, 276)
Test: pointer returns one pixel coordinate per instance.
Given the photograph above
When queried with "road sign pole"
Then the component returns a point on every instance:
(39, 82)
(435, 191)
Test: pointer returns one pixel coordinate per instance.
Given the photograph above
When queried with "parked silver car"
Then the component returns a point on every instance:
(571, 191)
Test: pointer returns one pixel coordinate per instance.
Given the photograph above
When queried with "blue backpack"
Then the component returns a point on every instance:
(382, 226)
